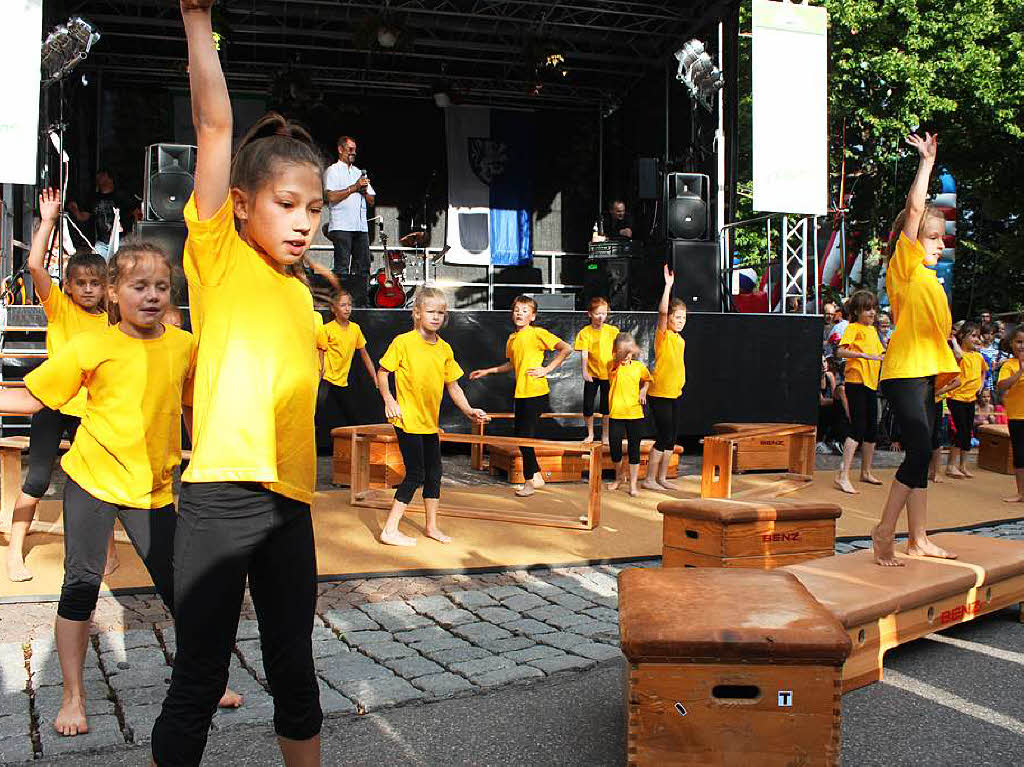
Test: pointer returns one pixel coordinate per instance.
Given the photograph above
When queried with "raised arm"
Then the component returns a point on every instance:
(211, 109)
(918, 195)
(503, 368)
(666, 297)
(958, 352)
(49, 210)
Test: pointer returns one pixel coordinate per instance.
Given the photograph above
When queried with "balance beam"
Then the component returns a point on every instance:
(719, 459)
(362, 495)
(883, 607)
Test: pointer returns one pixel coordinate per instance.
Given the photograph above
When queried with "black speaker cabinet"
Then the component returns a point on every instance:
(169, 236)
(698, 274)
(608, 278)
(170, 176)
(686, 206)
(647, 186)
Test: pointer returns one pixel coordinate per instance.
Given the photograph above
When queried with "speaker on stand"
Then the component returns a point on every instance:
(170, 176)
(687, 213)
(697, 274)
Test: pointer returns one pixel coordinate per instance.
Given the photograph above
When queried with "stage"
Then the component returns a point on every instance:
(630, 529)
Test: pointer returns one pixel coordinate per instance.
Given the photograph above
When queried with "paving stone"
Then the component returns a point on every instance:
(363, 638)
(247, 629)
(348, 668)
(333, 702)
(529, 627)
(603, 614)
(472, 599)
(396, 616)
(507, 675)
(326, 649)
(481, 631)
(458, 655)
(139, 720)
(523, 602)
(479, 666)
(323, 634)
(449, 618)
(256, 710)
(17, 748)
(533, 653)
(49, 675)
(383, 651)
(46, 667)
(421, 635)
(540, 587)
(562, 619)
(501, 593)
(15, 724)
(508, 645)
(442, 685)
(498, 615)
(570, 601)
(564, 640)
(156, 676)
(598, 629)
(113, 641)
(561, 663)
(15, 702)
(141, 696)
(251, 650)
(349, 620)
(414, 667)
(431, 605)
(372, 694)
(436, 645)
(596, 650)
(134, 658)
(104, 731)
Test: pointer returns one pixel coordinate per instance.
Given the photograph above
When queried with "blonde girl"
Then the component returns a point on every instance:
(630, 380)
(594, 342)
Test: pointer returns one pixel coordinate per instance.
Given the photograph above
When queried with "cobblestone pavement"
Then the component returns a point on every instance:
(378, 643)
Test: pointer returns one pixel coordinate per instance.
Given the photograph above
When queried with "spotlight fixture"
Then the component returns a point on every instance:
(698, 72)
(386, 36)
(66, 47)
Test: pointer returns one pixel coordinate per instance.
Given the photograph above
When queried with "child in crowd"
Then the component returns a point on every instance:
(861, 348)
(79, 310)
(665, 395)
(595, 343)
(630, 380)
(424, 367)
(984, 410)
(1011, 386)
(966, 343)
(524, 351)
(884, 327)
(244, 512)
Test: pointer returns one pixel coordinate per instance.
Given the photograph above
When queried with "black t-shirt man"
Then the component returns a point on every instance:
(617, 224)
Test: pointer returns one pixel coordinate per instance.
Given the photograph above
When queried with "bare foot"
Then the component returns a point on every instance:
(604, 441)
(884, 548)
(1014, 499)
(651, 484)
(668, 484)
(955, 473)
(870, 479)
(966, 473)
(843, 483)
(112, 564)
(936, 479)
(526, 490)
(589, 438)
(230, 699)
(437, 535)
(396, 538)
(633, 492)
(16, 570)
(614, 485)
(70, 720)
(538, 481)
(928, 549)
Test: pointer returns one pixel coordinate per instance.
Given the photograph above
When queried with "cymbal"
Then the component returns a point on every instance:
(413, 239)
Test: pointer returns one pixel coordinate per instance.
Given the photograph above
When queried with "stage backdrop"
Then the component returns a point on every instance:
(490, 161)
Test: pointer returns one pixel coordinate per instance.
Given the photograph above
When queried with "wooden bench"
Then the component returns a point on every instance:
(387, 468)
(361, 494)
(765, 454)
(994, 452)
(720, 450)
(883, 607)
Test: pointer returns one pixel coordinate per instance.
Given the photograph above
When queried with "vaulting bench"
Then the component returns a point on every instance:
(765, 454)
(882, 607)
(387, 469)
(795, 441)
(994, 452)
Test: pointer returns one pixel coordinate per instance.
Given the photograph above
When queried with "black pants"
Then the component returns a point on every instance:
(527, 418)
(630, 429)
(352, 262)
(335, 406)
(227, 531)
(421, 454)
(913, 404)
(938, 426)
(863, 403)
(44, 435)
(1017, 441)
(962, 414)
(88, 522)
(668, 414)
(590, 390)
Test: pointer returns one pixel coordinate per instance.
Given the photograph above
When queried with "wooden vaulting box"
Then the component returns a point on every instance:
(387, 469)
(729, 667)
(994, 453)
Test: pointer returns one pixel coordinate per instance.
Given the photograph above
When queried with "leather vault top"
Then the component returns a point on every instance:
(729, 512)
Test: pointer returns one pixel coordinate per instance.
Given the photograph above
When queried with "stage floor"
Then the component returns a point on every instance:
(630, 528)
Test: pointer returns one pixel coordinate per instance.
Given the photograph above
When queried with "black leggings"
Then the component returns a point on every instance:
(227, 531)
(527, 418)
(88, 522)
(421, 454)
(335, 406)
(668, 414)
(592, 388)
(631, 429)
(962, 414)
(863, 403)
(44, 435)
(938, 427)
(913, 404)
(1017, 441)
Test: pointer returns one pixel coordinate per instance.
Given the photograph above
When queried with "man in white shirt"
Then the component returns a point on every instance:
(348, 193)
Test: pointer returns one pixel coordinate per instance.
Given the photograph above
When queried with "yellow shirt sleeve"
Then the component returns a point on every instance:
(58, 379)
(360, 338)
(393, 356)
(548, 339)
(508, 346)
(321, 332)
(583, 340)
(208, 249)
(1013, 398)
(908, 256)
(452, 371)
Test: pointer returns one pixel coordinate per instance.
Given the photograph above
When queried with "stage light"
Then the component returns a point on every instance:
(85, 80)
(67, 46)
(386, 36)
(698, 72)
(442, 99)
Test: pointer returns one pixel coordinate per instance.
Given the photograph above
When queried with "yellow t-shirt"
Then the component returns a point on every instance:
(972, 372)
(1013, 398)
(669, 368)
(921, 319)
(64, 320)
(525, 348)
(130, 438)
(257, 367)
(863, 339)
(624, 398)
(341, 344)
(421, 371)
(598, 346)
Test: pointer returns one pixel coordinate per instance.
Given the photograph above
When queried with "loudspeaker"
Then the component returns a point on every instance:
(608, 277)
(686, 205)
(698, 274)
(170, 176)
(169, 236)
(647, 178)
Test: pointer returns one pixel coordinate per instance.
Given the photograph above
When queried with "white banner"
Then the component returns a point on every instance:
(790, 107)
(20, 43)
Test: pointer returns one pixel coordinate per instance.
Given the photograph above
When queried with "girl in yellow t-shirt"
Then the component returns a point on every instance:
(244, 510)
(594, 342)
(918, 359)
(79, 309)
(630, 380)
(424, 367)
(666, 393)
(965, 342)
(1011, 384)
(524, 351)
(862, 350)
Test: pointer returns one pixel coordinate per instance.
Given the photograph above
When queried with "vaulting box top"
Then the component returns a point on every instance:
(728, 512)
